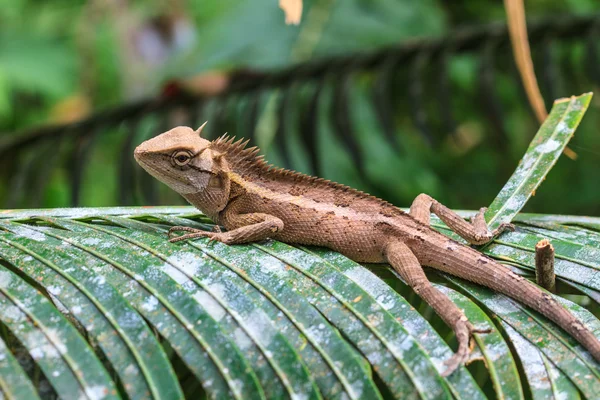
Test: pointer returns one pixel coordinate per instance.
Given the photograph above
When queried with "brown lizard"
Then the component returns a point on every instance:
(253, 200)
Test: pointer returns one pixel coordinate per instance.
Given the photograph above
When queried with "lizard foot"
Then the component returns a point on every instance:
(482, 235)
(193, 233)
(464, 331)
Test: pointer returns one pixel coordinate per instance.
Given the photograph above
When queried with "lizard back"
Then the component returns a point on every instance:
(253, 168)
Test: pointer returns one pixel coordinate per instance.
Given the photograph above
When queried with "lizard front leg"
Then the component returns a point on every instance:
(476, 232)
(402, 259)
(251, 227)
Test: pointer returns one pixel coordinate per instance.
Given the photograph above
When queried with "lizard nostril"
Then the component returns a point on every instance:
(139, 151)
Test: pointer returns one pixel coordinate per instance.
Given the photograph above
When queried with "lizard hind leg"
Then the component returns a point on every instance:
(476, 232)
(402, 259)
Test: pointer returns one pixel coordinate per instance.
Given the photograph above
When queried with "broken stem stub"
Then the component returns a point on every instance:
(544, 265)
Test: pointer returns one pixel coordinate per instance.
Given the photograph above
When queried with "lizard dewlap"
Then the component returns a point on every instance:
(237, 189)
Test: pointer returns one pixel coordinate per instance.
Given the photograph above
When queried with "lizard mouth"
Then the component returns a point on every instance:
(144, 159)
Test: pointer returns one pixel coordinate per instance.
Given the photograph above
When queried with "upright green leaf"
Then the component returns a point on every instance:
(542, 154)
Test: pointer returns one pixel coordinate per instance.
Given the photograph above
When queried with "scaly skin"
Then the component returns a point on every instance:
(237, 189)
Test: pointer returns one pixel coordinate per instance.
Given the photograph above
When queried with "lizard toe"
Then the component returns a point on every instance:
(508, 227)
(481, 330)
(503, 227)
(458, 359)
(215, 237)
(193, 235)
(463, 335)
(181, 229)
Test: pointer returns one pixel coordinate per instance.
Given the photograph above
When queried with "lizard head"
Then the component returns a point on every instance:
(184, 161)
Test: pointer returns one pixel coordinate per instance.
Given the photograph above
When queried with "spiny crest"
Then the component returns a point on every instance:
(237, 154)
(247, 161)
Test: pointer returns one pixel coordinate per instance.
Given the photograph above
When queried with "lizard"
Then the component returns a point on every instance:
(235, 186)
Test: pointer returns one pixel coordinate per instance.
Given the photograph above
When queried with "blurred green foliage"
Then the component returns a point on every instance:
(63, 59)
(51, 50)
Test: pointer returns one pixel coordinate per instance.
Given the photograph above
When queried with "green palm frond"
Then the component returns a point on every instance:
(103, 304)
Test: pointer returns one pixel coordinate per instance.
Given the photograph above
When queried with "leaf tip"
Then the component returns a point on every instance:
(584, 96)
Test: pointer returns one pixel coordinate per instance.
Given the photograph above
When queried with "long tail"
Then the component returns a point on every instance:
(471, 265)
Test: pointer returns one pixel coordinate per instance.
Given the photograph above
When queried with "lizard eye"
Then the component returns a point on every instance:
(181, 158)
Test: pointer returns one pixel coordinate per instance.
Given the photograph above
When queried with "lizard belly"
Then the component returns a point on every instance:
(356, 238)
